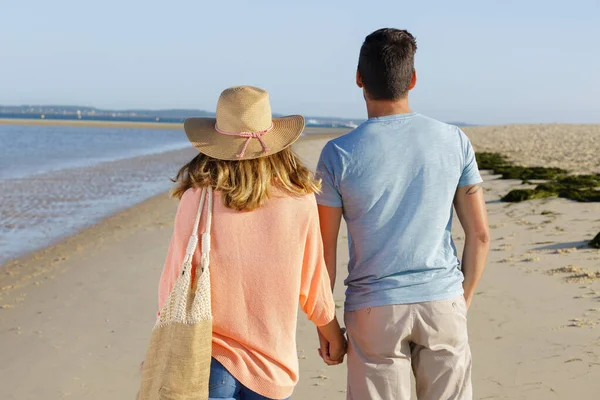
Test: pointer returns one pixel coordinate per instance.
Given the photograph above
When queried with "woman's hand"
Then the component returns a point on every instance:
(338, 349)
(333, 352)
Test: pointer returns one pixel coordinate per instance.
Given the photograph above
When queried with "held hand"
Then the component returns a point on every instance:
(324, 349)
(337, 351)
(332, 353)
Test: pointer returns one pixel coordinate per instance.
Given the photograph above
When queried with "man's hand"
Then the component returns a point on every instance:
(468, 300)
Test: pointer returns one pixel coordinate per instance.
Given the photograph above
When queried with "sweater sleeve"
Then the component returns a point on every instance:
(316, 298)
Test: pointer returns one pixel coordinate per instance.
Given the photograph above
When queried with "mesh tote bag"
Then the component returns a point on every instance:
(177, 365)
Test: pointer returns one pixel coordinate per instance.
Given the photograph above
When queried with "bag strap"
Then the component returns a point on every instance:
(193, 241)
(206, 235)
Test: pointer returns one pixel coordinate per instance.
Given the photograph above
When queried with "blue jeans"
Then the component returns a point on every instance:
(222, 385)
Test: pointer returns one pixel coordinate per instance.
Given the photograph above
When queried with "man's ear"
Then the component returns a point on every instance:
(413, 80)
(359, 81)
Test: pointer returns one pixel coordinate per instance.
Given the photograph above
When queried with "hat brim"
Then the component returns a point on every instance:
(202, 134)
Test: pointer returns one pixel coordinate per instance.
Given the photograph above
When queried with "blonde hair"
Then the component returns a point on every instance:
(246, 184)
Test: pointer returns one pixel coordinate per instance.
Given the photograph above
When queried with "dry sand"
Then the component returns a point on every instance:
(76, 317)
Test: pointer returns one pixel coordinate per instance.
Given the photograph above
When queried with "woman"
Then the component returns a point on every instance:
(266, 252)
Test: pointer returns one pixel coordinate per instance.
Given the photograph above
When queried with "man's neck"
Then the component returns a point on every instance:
(383, 108)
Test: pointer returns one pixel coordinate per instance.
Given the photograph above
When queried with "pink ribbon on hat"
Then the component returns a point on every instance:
(249, 136)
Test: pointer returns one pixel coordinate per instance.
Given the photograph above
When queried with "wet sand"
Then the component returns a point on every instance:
(77, 175)
(76, 317)
(39, 210)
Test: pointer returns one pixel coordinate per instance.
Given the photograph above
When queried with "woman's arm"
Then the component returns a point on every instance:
(316, 297)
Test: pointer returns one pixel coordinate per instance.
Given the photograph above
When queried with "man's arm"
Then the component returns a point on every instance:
(472, 214)
(330, 219)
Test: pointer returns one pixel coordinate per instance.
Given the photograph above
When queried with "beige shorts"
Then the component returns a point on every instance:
(430, 338)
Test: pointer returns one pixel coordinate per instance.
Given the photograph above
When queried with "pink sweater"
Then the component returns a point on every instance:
(262, 263)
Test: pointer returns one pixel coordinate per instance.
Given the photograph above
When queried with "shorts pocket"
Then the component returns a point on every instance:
(457, 306)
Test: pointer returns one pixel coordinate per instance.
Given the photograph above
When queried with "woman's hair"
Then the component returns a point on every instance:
(246, 184)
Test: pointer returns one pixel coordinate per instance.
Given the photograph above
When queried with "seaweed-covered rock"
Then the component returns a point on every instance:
(572, 188)
(582, 188)
(527, 173)
(580, 181)
(490, 160)
(585, 196)
(518, 195)
(595, 242)
(550, 187)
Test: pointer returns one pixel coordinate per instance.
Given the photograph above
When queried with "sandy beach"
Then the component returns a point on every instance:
(75, 317)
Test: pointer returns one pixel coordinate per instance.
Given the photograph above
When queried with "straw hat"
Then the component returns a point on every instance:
(244, 128)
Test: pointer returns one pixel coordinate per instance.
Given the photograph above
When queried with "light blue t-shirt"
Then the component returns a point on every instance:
(396, 177)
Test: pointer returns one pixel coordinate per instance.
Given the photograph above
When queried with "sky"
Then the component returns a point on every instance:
(480, 62)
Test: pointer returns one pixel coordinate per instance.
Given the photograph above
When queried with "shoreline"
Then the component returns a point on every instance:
(64, 240)
(45, 260)
(99, 190)
(11, 267)
(88, 123)
(309, 131)
(41, 209)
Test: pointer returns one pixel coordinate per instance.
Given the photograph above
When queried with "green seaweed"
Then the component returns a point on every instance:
(519, 195)
(501, 166)
(490, 160)
(550, 187)
(580, 181)
(527, 173)
(578, 191)
(584, 196)
(582, 188)
(595, 242)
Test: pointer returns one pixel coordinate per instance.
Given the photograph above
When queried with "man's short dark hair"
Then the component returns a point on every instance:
(386, 63)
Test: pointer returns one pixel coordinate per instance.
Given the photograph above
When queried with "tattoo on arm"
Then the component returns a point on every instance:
(474, 189)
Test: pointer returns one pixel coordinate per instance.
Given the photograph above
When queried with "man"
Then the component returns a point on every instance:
(395, 180)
